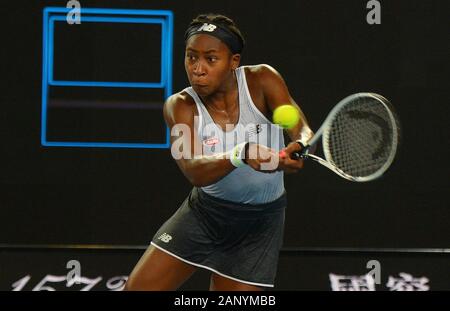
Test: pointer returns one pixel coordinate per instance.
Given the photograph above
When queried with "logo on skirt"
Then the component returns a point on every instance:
(165, 237)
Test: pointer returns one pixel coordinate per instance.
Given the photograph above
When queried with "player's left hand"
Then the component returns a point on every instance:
(286, 163)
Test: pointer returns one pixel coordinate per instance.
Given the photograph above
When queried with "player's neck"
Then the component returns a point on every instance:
(224, 95)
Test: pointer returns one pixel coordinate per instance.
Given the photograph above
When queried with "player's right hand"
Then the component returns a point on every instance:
(288, 164)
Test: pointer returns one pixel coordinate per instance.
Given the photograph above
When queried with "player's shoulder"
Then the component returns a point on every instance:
(261, 73)
(180, 99)
(179, 102)
(179, 105)
(260, 69)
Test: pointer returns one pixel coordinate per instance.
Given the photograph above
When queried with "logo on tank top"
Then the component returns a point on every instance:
(211, 141)
(255, 130)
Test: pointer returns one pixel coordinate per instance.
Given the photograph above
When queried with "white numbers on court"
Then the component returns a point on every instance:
(61, 282)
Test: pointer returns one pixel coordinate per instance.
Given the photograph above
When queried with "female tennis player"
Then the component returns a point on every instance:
(232, 221)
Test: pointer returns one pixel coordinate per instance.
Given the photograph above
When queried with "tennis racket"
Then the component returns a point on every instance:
(360, 137)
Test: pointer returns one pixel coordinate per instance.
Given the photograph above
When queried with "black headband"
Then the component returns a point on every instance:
(232, 40)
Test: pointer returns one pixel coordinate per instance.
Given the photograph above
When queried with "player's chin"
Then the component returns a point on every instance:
(202, 90)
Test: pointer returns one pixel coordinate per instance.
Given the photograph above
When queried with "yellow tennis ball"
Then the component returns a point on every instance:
(286, 116)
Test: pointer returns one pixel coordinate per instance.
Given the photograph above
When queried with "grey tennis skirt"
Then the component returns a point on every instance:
(237, 241)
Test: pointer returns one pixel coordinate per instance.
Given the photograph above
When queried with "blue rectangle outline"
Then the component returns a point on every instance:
(100, 19)
(110, 11)
(168, 87)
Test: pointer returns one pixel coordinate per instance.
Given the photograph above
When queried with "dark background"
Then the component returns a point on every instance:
(325, 50)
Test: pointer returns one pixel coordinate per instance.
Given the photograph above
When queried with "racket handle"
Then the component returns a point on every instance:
(303, 154)
(295, 155)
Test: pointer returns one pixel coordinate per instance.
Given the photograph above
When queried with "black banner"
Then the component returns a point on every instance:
(108, 270)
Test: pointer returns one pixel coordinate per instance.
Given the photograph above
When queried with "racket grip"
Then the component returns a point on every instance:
(294, 155)
(303, 154)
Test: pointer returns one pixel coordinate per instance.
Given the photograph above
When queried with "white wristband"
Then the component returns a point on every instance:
(237, 155)
(302, 142)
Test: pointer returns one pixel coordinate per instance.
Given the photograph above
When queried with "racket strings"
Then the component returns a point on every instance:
(360, 139)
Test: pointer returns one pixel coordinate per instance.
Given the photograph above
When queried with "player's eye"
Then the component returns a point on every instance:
(212, 59)
(191, 57)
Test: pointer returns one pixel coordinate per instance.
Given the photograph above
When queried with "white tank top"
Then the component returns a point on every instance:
(243, 184)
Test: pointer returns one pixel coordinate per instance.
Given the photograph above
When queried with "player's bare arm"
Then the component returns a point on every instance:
(275, 94)
(200, 170)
